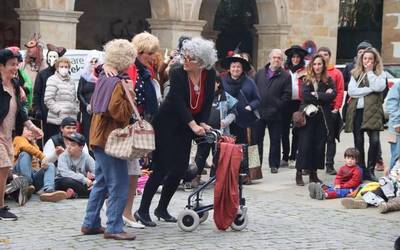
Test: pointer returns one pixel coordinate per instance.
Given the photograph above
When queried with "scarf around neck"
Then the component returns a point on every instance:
(233, 86)
(103, 91)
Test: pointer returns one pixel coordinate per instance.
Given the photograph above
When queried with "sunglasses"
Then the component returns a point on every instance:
(93, 61)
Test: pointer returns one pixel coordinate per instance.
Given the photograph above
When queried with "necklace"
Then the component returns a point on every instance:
(196, 88)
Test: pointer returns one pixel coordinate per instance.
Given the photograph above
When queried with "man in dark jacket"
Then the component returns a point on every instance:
(275, 88)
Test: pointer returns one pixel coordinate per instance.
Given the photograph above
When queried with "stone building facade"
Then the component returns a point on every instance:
(281, 23)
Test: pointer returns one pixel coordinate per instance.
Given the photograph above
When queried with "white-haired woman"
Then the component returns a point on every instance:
(364, 110)
(111, 110)
(86, 87)
(181, 117)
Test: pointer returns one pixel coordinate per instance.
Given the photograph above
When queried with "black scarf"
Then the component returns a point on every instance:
(233, 86)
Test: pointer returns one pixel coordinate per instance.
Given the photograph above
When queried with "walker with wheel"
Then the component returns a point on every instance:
(195, 212)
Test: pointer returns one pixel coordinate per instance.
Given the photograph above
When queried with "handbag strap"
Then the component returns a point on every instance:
(245, 98)
(130, 99)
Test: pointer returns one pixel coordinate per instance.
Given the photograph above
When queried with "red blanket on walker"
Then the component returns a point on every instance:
(226, 192)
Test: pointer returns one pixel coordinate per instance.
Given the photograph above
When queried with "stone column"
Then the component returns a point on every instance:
(270, 37)
(55, 21)
(169, 30)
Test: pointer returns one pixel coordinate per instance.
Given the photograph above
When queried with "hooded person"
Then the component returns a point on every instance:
(86, 87)
(39, 108)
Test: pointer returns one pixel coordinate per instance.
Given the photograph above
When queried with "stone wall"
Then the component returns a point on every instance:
(315, 20)
(9, 24)
(391, 31)
(104, 20)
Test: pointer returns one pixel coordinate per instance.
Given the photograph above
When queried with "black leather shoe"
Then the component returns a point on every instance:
(330, 171)
(145, 220)
(274, 170)
(164, 215)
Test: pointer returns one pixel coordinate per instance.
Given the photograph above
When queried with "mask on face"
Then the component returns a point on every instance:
(63, 72)
(52, 57)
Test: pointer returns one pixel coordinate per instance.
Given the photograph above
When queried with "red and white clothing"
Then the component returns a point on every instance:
(296, 82)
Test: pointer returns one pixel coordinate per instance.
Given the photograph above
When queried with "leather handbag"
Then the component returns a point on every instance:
(299, 119)
(135, 140)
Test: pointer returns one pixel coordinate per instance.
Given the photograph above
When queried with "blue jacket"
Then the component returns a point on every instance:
(393, 107)
(246, 93)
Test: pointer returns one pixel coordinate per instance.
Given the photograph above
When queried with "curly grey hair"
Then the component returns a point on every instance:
(119, 54)
(202, 50)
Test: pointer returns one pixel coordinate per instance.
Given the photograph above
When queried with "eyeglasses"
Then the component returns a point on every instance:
(188, 59)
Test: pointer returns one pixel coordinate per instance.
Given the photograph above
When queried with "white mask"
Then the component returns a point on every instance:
(63, 71)
(52, 57)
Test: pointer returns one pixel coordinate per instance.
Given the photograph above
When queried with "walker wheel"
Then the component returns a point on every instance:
(240, 222)
(203, 216)
(188, 220)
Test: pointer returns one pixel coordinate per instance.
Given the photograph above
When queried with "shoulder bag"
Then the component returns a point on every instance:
(135, 140)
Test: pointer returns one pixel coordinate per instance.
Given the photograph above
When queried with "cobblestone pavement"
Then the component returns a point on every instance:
(281, 216)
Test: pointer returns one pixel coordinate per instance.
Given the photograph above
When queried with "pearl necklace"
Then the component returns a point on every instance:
(196, 89)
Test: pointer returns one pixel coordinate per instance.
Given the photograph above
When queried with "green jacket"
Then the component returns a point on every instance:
(373, 111)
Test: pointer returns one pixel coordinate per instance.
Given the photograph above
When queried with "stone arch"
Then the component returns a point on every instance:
(271, 30)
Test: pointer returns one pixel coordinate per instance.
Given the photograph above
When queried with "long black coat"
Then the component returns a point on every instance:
(312, 137)
(173, 135)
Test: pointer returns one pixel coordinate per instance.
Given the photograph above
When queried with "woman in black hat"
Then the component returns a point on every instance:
(295, 66)
(237, 84)
(12, 119)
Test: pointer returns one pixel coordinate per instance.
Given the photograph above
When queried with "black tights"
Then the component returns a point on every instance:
(374, 144)
(170, 179)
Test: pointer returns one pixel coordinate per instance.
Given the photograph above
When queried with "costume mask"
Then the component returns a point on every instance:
(52, 57)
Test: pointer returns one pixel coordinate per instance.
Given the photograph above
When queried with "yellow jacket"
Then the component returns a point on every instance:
(21, 144)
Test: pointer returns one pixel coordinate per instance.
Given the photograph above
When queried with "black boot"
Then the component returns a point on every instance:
(369, 174)
(330, 170)
(314, 176)
(299, 178)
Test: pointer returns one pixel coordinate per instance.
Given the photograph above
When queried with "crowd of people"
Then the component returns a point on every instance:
(60, 154)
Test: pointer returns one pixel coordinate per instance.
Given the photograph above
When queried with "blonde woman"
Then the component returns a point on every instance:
(318, 91)
(111, 110)
(365, 111)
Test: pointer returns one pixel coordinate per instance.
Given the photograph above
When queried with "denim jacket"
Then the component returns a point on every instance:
(393, 107)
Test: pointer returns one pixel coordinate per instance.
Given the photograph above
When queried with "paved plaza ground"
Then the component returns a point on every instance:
(281, 216)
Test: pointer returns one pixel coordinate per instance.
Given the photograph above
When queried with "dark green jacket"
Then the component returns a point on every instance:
(373, 111)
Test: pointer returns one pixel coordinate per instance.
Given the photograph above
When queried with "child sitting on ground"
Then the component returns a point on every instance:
(386, 196)
(75, 168)
(347, 180)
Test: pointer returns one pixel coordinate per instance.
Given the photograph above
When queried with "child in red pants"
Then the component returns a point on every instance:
(347, 179)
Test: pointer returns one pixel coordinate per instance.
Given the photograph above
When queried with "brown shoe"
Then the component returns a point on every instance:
(53, 196)
(92, 231)
(299, 178)
(120, 236)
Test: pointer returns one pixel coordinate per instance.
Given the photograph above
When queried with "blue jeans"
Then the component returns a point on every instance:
(112, 179)
(43, 178)
(394, 151)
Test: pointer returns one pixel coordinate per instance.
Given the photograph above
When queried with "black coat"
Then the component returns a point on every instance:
(312, 137)
(172, 133)
(85, 91)
(275, 93)
(5, 98)
(39, 107)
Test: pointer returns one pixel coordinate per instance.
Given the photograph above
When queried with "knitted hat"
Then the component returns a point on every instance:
(363, 45)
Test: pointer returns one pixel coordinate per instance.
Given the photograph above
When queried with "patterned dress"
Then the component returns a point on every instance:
(6, 128)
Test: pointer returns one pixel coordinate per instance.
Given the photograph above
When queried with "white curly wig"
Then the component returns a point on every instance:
(202, 50)
(119, 54)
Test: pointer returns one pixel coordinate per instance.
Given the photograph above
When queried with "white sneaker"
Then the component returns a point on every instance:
(131, 223)
(292, 164)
